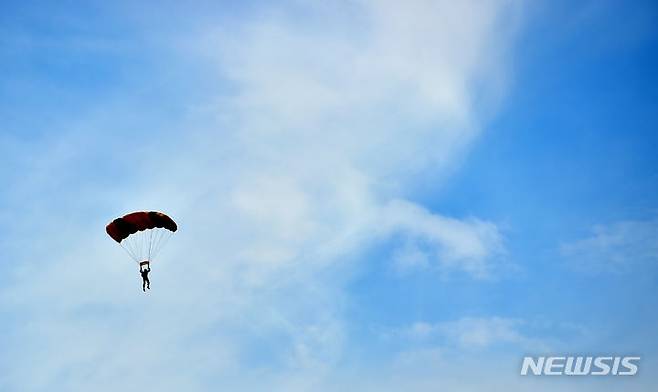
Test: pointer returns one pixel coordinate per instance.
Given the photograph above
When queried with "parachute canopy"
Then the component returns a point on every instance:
(142, 234)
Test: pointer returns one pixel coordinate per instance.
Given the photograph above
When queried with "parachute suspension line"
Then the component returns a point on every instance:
(133, 242)
(139, 243)
(145, 246)
(126, 248)
(156, 241)
(153, 241)
(135, 233)
(162, 244)
(147, 243)
(143, 243)
(162, 233)
(136, 244)
(162, 241)
(150, 244)
(131, 245)
(125, 244)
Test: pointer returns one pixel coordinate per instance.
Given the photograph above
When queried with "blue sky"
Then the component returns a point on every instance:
(370, 195)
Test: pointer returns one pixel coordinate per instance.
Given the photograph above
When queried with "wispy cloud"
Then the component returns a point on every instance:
(472, 245)
(620, 247)
(476, 333)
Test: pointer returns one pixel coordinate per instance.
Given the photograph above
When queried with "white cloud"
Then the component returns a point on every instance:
(473, 246)
(477, 333)
(277, 184)
(619, 247)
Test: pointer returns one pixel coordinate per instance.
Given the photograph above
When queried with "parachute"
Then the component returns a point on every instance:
(142, 234)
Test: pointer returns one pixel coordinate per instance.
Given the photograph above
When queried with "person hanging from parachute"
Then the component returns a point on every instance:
(142, 234)
(144, 271)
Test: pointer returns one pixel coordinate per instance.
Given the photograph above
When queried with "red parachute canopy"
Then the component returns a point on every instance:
(142, 234)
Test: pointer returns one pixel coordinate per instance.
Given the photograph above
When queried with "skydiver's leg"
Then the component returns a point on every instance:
(143, 285)
(148, 284)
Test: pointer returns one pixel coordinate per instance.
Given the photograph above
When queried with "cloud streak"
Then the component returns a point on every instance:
(619, 247)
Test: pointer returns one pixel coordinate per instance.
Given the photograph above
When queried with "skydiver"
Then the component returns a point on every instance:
(146, 284)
